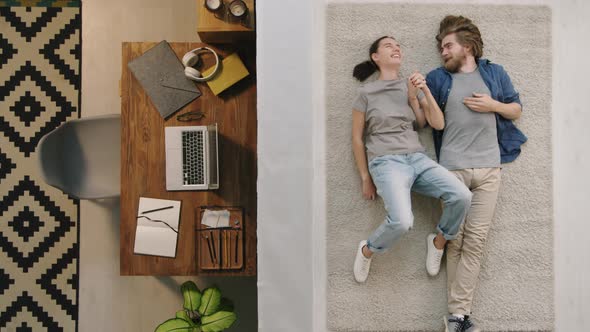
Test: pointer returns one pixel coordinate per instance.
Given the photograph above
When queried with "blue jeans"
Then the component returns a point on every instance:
(395, 176)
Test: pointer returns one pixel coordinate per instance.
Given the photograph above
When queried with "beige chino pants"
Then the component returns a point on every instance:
(464, 254)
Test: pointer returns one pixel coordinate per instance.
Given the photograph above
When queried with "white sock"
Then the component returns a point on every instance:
(459, 316)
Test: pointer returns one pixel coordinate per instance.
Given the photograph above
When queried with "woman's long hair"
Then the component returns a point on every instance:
(363, 70)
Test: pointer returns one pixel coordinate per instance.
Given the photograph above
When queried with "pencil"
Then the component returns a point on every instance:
(159, 209)
(210, 251)
(237, 235)
(214, 248)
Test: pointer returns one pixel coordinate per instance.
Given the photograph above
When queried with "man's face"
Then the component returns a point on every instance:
(452, 53)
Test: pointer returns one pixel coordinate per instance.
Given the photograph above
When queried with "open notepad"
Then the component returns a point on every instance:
(157, 227)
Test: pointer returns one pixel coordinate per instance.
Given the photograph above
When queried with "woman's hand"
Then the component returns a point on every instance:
(418, 82)
(368, 189)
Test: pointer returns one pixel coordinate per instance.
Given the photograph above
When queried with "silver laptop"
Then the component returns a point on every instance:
(192, 161)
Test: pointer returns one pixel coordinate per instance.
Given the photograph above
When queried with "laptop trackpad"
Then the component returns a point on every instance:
(173, 169)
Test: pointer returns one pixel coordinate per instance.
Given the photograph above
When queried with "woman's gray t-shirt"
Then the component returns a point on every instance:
(389, 119)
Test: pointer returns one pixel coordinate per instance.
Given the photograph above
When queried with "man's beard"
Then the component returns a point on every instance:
(453, 64)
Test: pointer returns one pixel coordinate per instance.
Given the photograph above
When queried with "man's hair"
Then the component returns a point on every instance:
(467, 33)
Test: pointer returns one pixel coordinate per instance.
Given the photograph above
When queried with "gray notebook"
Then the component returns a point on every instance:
(161, 74)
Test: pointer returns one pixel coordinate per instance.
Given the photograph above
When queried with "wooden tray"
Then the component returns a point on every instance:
(221, 248)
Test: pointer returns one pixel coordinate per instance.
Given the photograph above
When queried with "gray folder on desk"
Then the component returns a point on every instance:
(161, 75)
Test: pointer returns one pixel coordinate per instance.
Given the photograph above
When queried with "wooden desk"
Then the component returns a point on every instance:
(143, 164)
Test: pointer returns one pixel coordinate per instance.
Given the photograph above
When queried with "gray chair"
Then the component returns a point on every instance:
(82, 157)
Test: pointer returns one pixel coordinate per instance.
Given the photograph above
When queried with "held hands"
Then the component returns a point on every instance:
(416, 82)
(368, 189)
(480, 102)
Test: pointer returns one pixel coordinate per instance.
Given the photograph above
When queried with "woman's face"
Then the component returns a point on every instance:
(389, 53)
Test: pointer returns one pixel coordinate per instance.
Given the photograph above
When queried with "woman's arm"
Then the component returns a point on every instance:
(429, 108)
(358, 149)
(415, 105)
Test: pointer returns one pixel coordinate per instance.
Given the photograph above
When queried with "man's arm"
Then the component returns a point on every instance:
(484, 103)
(510, 111)
(509, 107)
(434, 115)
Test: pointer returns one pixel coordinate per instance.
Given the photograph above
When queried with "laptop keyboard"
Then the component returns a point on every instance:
(193, 166)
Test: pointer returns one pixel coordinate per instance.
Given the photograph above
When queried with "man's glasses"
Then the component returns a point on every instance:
(190, 116)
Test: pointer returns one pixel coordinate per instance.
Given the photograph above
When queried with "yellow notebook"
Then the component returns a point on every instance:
(232, 70)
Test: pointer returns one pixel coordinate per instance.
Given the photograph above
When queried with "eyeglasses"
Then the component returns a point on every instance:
(233, 9)
(190, 116)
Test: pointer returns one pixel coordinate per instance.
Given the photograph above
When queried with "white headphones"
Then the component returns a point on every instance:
(192, 58)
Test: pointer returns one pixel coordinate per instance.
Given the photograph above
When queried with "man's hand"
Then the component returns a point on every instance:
(481, 102)
(368, 189)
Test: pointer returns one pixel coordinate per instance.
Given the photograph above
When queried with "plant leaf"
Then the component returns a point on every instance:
(210, 301)
(182, 314)
(219, 321)
(192, 296)
(174, 325)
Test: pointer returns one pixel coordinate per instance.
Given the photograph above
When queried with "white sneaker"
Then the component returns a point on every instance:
(361, 264)
(433, 256)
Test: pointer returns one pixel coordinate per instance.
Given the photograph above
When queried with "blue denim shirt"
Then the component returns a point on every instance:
(510, 139)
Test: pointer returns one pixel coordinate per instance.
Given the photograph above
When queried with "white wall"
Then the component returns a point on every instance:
(571, 160)
(291, 281)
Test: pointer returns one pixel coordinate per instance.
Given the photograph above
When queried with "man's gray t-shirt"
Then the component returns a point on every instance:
(389, 119)
(470, 139)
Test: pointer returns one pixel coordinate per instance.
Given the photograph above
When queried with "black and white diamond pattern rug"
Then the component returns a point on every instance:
(39, 89)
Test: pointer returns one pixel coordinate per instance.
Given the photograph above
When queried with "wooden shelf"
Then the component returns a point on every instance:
(223, 28)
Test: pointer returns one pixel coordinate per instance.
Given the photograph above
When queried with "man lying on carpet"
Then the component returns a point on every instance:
(478, 102)
(383, 118)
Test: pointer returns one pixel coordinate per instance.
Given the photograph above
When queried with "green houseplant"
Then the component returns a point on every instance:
(202, 311)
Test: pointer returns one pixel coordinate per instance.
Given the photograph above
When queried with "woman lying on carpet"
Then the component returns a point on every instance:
(386, 111)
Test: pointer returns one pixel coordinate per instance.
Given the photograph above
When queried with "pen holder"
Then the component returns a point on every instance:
(221, 248)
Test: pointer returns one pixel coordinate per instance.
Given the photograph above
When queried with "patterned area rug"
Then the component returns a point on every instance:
(39, 89)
